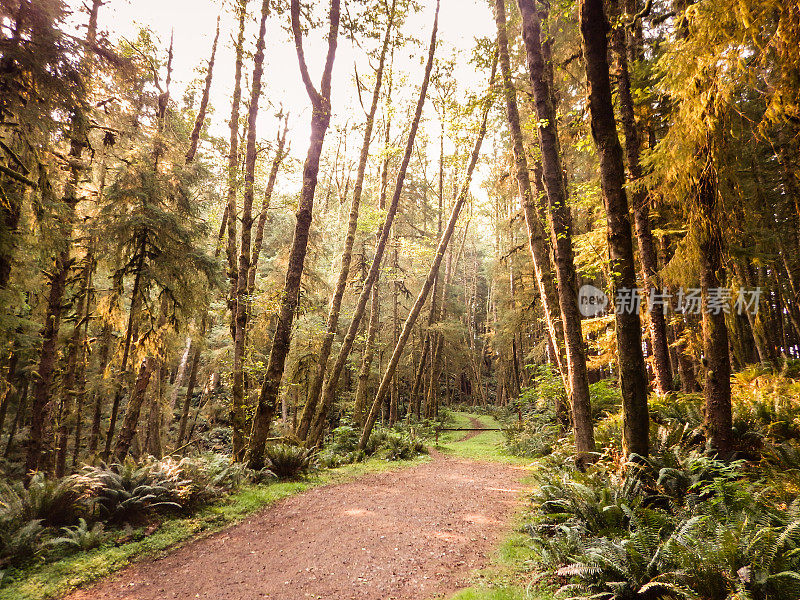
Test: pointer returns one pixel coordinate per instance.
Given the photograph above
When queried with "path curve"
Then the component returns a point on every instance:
(477, 424)
(411, 534)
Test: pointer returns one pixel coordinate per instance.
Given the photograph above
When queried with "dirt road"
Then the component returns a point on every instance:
(415, 534)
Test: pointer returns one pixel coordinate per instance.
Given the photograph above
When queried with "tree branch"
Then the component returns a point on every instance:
(17, 177)
(313, 94)
(333, 40)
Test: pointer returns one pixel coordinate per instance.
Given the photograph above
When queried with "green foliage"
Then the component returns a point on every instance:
(129, 492)
(397, 445)
(52, 502)
(605, 398)
(679, 524)
(19, 541)
(289, 462)
(209, 477)
(82, 536)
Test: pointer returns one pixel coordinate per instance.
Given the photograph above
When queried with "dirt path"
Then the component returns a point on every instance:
(415, 534)
(476, 423)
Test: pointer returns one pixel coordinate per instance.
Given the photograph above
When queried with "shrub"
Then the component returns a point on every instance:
(82, 536)
(210, 476)
(129, 492)
(344, 439)
(287, 462)
(19, 540)
(54, 502)
(401, 446)
(605, 398)
(330, 459)
(376, 439)
(532, 439)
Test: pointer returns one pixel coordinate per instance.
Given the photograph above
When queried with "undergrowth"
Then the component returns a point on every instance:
(678, 524)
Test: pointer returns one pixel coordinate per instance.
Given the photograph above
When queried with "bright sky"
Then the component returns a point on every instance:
(194, 21)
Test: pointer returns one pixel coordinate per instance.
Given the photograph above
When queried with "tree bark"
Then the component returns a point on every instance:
(717, 387)
(280, 154)
(70, 411)
(134, 306)
(233, 167)
(129, 423)
(347, 253)
(19, 417)
(40, 449)
(238, 417)
(560, 232)
(329, 390)
(632, 373)
(640, 200)
(194, 137)
(320, 120)
(536, 240)
(187, 402)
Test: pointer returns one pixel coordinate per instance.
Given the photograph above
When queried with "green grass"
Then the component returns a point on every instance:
(507, 577)
(50, 580)
(484, 446)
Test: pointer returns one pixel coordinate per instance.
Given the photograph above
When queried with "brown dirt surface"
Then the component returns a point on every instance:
(471, 434)
(415, 533)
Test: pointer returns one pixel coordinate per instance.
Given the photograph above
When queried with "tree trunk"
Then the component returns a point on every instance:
(717, 387)
(180, 376)
(19, 417)
(70, 413)
(187, 402)
(40, 449)
(233, 175)
(395, 324)
(127, 347)
(347, 253)
(632, 373)
(536, 240)
(280, 154)
(329, 389)
(131, 419)
(641, 215)
(238, 416)
(320, 119)
(194, 137)
(560, 233)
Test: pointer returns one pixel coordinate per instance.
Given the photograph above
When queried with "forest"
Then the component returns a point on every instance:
(511, 286)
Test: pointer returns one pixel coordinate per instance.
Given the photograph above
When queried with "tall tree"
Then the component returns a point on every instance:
(230, 217)
(320, 120)
(329, 390)
(432, 273)
(42, 433)
(640, 199)
(536, 240)
(632, 374)
(344, 270)
(242, 286)
(560, 229)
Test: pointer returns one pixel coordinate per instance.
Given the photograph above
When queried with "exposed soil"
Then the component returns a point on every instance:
(416, 534)
(471, 434)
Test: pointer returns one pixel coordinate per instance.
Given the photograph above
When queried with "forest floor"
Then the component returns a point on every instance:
(416, 533)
